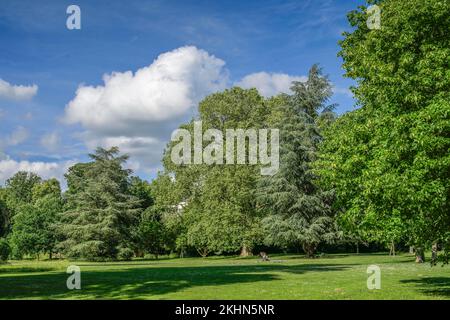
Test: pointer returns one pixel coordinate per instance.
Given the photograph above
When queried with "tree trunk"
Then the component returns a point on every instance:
(245, 251)
(420, 255)
(411, 250)
(203, 252)
(357, 247)
(392, 249)
(50, 255)
(309, 249)
(434, 249)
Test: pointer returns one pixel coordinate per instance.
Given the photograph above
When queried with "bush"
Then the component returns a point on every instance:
(5, 250)
(125, 254)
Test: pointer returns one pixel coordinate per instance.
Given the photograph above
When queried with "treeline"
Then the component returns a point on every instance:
(376, 175)
(106, 213)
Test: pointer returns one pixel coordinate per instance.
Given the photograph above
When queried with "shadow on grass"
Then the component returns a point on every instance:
(138, 283)
(435, 286)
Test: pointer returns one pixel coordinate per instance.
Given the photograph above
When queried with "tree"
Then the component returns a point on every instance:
(4, 214)
(46, 188)
(33, 227)
(166, 195)
(152, 234)
(389, 160)
(16, 193)
(100, 210)
(213, 195)
(19, 189)
(300, 211)
(142, 190)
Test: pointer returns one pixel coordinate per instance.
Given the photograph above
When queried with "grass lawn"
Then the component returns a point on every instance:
(285, 277)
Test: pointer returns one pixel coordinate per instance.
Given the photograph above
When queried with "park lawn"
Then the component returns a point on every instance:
(284, 277)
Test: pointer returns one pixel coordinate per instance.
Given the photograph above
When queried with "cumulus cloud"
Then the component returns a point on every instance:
(169, 87)
(46, 170)
(269, 84)
(137, 111)
(17, 92)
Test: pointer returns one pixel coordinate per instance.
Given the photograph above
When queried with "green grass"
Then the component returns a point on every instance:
(285, 277)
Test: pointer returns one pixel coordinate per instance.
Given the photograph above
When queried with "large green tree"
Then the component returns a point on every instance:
(33, 230)
(216, 202)
(389, 161)
(100, 209)
(19, 189)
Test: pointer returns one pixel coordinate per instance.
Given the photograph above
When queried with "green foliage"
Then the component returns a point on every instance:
(215, 204)
(125, 253)
(405, 64)
(389, 160)
(219, 229)
(19, 190)
(142, 190)
(300, 212)
(152, 235)
(33, 227)
(5, 250)
(49, 187)
(100, 209)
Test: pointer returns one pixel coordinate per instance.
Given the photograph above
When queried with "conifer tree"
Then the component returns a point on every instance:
(300, 212)
(100, 208)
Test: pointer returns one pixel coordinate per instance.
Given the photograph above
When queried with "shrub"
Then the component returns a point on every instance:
(125, 254)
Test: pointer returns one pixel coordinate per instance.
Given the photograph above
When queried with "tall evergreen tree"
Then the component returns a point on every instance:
(100, 207)
(300, 212)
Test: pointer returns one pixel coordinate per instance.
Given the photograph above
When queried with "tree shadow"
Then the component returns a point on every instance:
(142, 283)
(435, 286)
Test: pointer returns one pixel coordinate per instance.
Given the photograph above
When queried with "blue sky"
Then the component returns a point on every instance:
(232, 42)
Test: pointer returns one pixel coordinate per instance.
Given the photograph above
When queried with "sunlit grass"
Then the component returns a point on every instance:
(285, 277)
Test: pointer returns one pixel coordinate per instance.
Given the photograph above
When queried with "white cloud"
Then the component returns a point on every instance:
(17, 92)
(137, 111)
(169, 87)
(269, 84)
(45, 170)
(50, 141)
(19, 135)
(146, 152)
